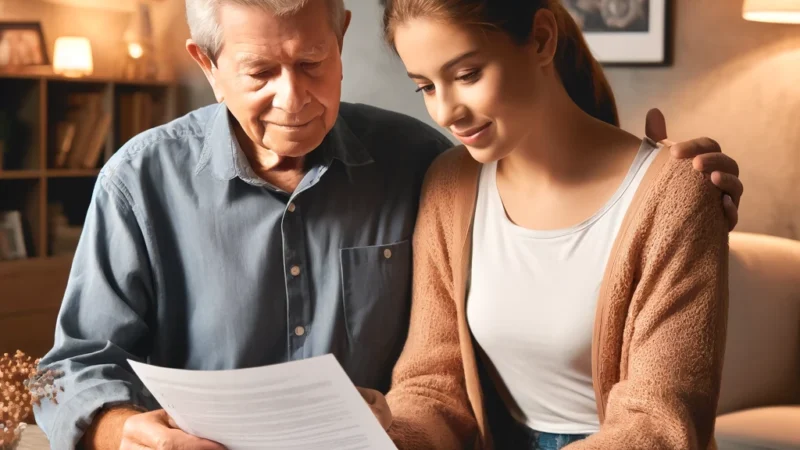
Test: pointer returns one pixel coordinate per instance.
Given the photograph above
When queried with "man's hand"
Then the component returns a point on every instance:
(708, 158)
(377, 403)
(156, 430)
(126, 428)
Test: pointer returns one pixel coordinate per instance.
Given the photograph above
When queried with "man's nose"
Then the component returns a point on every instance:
(291, 94)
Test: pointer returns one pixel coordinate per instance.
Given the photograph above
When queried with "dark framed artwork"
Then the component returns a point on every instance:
(624, 32)
(22, 44)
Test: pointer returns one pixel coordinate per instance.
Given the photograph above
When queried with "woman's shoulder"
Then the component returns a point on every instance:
(678, 185)
(451, 171)
(678, 197)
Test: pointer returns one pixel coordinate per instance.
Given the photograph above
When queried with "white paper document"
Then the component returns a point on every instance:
(309, 404)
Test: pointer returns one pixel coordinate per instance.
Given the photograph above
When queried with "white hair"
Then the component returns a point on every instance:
(202, 16)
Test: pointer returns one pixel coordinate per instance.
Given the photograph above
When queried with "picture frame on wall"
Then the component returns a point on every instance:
(22, 44)
(624, 32)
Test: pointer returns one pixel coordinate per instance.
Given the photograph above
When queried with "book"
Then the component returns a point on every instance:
(12, 241)
(65, 135)
(98, 141)
(88, 110)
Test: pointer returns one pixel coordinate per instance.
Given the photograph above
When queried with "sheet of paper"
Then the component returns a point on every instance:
(309, 404)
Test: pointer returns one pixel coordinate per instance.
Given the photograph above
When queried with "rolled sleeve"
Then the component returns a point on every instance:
(102, 321)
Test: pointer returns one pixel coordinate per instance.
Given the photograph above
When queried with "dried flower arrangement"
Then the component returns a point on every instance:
(22, 385)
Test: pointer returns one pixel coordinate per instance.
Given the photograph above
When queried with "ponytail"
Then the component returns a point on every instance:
(580, 73)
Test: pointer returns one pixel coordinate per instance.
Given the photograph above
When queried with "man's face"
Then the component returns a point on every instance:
(281, 77)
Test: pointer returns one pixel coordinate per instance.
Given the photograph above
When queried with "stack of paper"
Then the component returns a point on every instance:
(309, 404)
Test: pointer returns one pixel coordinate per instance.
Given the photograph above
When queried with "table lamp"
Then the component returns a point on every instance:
(776, 11)
(73, 57)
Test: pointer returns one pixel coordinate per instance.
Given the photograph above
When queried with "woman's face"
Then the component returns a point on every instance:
(479, 84)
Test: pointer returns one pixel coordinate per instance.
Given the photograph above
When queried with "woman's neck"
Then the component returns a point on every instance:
(565, 147)
(566, 169)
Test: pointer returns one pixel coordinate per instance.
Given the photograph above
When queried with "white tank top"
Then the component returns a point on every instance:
(532, 300)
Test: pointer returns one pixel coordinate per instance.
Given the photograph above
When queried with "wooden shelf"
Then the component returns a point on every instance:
(72, 173)
(45, 75)
(20, 174)
(32, 289)
(8, 267)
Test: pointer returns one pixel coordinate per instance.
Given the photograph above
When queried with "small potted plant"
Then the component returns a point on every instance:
(22, 385)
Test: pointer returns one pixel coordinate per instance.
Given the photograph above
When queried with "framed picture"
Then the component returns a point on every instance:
(22, 44)
(12, 240)
(624, 32)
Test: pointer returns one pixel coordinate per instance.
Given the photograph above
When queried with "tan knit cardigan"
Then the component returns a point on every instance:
(659, 332)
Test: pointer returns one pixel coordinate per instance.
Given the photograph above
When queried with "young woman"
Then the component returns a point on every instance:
(570, 279)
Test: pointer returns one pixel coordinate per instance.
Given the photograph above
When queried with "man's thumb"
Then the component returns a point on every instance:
(655, 125)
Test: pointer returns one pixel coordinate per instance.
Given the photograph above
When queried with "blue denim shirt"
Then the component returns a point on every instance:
(189, 260)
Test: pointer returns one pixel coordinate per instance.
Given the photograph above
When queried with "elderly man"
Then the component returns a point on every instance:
(271, 227)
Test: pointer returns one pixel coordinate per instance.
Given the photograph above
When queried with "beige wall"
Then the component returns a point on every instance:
(736, 81)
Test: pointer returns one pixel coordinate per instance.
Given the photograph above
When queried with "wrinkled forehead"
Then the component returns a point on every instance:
(305, 33)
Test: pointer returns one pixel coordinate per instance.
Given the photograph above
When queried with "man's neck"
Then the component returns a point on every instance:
(284, 173)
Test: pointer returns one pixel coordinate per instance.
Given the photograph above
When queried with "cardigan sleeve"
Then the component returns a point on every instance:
(674, 340)
(428, 397)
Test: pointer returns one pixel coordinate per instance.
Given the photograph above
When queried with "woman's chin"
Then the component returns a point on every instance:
(485, 155)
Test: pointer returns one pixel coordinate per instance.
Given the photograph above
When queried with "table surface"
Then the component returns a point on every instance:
(33, 439)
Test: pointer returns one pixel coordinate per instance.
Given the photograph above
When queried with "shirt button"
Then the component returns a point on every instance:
(387, 253)
(299, 331)
(295, 270)
(291, 207)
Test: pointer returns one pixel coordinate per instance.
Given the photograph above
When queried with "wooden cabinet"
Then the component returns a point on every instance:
(51, 189)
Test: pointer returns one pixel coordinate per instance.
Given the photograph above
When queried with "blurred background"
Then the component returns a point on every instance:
(78, 78)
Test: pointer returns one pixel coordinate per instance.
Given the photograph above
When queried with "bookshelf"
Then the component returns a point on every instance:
(48, 179)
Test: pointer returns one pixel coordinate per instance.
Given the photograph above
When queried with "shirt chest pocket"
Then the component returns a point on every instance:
(376, 288)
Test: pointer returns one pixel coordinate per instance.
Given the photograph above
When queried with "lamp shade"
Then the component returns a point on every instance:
(73, 57)
(779, 11)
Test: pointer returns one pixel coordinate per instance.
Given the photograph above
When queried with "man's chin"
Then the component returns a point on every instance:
(294, 149)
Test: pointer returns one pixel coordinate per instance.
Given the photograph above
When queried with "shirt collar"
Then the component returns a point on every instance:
(224, 157)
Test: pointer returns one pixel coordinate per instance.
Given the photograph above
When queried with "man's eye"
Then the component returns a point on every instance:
(261, 74)
(311, 65)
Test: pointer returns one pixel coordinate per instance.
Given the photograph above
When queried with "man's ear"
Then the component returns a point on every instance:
(347, 17)
(208, 67)
(544, 37)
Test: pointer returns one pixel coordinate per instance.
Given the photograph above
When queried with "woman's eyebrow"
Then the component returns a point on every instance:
(449, 64)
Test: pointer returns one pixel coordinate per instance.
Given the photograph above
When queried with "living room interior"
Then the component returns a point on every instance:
(79, 78)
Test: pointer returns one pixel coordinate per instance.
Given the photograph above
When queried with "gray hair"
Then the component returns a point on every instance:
(202, 16)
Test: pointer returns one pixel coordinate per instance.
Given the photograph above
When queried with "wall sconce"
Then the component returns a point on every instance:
(777, 11)
(73, 57)
(138, 39)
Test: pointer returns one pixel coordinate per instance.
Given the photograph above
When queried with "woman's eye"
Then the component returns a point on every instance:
(427, 89)
(470, 76)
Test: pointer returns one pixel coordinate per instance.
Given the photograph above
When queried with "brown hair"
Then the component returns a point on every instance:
(580, 73)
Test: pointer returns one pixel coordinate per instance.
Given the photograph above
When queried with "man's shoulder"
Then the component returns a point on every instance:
(389, 134)
(178, 142)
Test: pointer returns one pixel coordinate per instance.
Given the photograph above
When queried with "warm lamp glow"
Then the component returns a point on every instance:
(778, 11)
(135, 50)
(73, 57)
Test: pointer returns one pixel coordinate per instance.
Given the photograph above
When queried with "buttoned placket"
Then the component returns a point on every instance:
(299, 304)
